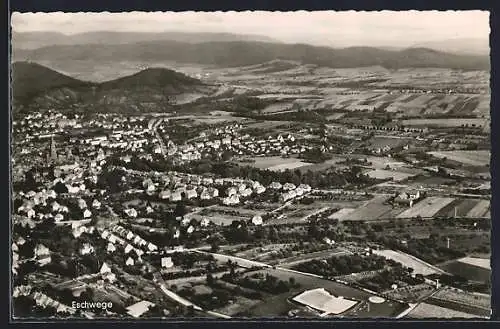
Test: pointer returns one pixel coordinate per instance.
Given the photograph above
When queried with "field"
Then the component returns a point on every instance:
(391, 141)
(481, 209)
(424, 310)
(277, 163)
(372, 210)
(418, 266)
(459, 207)
(474, 269)
(459, 300)
(426, 208)
(342, 214)
(224, 215)
(472, 122)
(385, 174)
(471, 158)
(279, 305)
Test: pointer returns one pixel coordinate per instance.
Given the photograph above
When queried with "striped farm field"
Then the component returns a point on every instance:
(480, 209)
(471, 158)
(459, 207)
(426, 208)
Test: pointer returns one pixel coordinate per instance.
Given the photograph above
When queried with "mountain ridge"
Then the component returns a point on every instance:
(243, 53)
(35, 40)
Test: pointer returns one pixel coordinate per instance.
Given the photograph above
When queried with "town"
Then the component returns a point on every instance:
(283, 189)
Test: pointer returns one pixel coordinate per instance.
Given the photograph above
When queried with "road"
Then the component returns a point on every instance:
(157, 278)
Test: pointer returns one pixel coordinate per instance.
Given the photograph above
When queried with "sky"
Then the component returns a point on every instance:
(329, 28)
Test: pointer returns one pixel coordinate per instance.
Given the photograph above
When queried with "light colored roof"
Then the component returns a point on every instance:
(139, 308)
(321, 300)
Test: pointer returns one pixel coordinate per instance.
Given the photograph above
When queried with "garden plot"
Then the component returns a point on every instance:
(418, 265)
(426, 208)
(386, 174)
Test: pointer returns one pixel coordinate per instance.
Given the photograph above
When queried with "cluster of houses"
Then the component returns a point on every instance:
(289, 191)
(41, 299)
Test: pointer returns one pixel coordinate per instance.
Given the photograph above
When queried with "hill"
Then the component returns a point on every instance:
(244, 53)
(33, 40)
(30, 79)
(150, 90)
(467, 46)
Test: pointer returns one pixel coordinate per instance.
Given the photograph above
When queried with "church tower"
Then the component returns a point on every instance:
(53, 151)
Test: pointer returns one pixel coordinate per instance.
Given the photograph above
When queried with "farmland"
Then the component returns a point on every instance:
(481, 209)
(277, 163)
(418, 266)
(426, 208)
(470, 158)
(462, 208)
(387, 174)
(372, 210)
(425, 310)
(474, 269)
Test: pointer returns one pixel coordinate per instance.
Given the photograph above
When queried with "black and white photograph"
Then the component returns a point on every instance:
(315, 165)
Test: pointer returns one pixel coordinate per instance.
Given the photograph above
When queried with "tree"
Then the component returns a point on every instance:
(210, 279)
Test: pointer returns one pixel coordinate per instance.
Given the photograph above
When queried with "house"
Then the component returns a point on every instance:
(21, 241)
(165, 194)
(305, 187)
(257, 220)
(205, 222)
(231, 191)
(176, 196)
(231, 200)
(96, 204)
(78, 231)
(44, 260)
(128, 248)
(15, 247)
(190, 194)
(241, 187)
(87, 213)
(111, 247)
(152, 247)
(41, 250)
(166, 262)
(105, 269)
(105, 234)
(129, 261)
(139, 308)
(190, 229)
(131, 212)
(177, 234)
(289, 187)
(86, 249)
(275, 186)
(129, 235)
(58, 218)
(113, 238)
(288, 195)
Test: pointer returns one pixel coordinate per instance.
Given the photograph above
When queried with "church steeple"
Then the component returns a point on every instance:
(53, 150)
